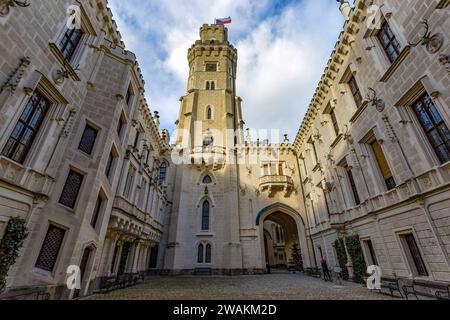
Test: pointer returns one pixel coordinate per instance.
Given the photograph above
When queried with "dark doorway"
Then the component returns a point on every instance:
(153, 257)
(124, 258)
(83, 266)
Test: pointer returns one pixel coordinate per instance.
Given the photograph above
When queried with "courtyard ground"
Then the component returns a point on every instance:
(279, 286)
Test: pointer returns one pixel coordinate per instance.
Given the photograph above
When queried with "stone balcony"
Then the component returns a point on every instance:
(275, 184)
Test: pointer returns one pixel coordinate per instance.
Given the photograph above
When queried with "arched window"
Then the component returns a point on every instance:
(207, 85)
(213, 85)
(205, 216)
(209, 113)
(207, 180)
(208, 254)
(162, 173)
(200, 253)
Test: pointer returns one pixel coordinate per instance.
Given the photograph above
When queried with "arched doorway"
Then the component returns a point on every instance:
(282, 231)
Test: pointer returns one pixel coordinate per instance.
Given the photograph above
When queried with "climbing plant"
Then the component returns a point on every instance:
(342, 257)
(297, 259)
(356, 253)
(15, 235)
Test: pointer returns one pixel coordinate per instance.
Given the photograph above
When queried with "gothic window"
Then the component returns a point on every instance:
(207, 180)
(213, 85)
(71, 189)
(434, 127)
(413, 255)
(88, 139)
(27, 128)
(383, 165)
(205, 216)
(162, 173)
(50, 248)
(208, 87)
(389, 42)
(70, 42)
(208, 253)
(209, 113)
(356, 93)
(200, 253)
(121, 126)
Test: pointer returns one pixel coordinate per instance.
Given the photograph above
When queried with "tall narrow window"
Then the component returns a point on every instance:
(50, 249)
(200, 253)
(209, 113)
(281, 169)
(120, 126)
(27, 127)
(207, 180)
(434, 126)
(335, 122)
(70, 42)
(88, 139)
(325, 200)
(136, 139)
(208, 253)
(162, 173)
(389, 42)
(71, 189)
(129, 182)
(109, 165)
(313, 146)
(383, 165)
(353, 185)
(413, 255)
(313, 212)
(97, 211)
(129, 95)
(205, 216)
(356, 93)
(213, 85)
(208, 87)
(371, 252)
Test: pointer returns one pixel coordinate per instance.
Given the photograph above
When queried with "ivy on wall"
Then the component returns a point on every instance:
(355, 251)
(342, 257)
(15, 235)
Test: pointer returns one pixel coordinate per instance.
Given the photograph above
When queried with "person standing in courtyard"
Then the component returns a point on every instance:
(326, 271)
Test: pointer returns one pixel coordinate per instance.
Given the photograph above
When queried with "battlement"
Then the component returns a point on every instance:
(212, 32)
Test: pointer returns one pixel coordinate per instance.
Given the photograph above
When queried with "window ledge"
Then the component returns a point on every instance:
(394, 66)
(359, 111)
(336, 141)
(63, 61)
(205, 234)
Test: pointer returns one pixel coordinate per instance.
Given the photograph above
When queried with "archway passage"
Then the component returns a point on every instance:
(281, 242)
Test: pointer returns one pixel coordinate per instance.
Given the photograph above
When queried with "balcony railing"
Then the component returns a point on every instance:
(276, 183)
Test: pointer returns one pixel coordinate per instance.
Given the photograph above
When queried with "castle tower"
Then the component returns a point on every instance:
(204, 225)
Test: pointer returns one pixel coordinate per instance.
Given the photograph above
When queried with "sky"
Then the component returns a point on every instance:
(283, 48)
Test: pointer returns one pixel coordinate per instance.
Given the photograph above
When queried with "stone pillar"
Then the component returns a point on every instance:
(349, 264)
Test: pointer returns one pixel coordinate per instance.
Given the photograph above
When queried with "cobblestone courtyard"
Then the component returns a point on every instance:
(258, 287)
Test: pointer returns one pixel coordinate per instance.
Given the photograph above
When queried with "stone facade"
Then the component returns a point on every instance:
(106, 88)
(100, 186)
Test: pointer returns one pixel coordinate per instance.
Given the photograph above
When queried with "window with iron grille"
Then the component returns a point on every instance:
(70, 42)
(50, 248)
(27, 128)
(71, 189)
(120, 126)
(88, 139)
(389, 42)
(97, 211)
(205, 216)
(434, 126)
(356, 93)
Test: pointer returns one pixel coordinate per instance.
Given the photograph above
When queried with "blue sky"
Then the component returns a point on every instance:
(283, 48)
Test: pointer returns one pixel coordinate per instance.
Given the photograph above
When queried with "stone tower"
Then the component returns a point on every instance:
(204, 225)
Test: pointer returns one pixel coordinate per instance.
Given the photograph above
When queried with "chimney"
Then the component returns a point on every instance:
(345, 9)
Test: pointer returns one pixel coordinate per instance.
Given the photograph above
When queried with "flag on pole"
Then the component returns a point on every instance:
(221, 22)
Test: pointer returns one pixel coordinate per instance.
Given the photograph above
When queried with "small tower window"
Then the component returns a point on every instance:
(209, 113)
(207, 85)
(213, 85)
(162, 173)
(211, 67)
(200, 253)
(205, 216)
(207, 180)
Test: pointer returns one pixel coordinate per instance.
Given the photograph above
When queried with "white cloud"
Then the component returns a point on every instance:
(282, 52)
